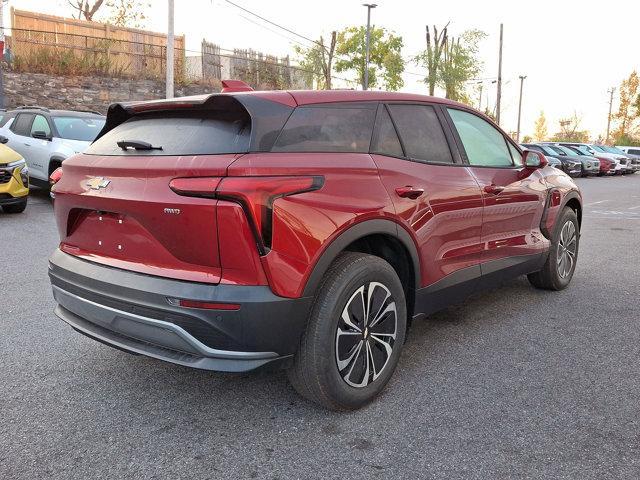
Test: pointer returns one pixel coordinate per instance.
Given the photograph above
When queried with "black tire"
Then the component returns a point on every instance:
(559, 268)
(316, 374)
(15, 207)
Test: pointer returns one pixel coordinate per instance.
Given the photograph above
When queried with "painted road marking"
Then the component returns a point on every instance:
(596, 203)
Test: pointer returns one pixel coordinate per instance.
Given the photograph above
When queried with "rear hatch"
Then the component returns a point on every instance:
(114, 205)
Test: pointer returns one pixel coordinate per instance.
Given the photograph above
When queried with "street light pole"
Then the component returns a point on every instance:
(170, 52)
(365, 85)
(522, 77)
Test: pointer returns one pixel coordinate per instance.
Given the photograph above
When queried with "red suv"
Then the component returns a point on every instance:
(304, 229)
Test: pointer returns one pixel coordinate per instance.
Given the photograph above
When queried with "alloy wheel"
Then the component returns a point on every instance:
(366, 334)
(567, 249)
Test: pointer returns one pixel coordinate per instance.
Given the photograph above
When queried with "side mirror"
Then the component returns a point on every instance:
(41, 135)
(3, 139)
(533, 159)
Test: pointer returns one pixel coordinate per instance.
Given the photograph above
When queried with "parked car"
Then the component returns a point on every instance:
(629, 150)
(572, 167)
(14, 181)
(608, 165)
(303, 229)
(633, 161)
(46, 137)
(599, 165)
(596, 151)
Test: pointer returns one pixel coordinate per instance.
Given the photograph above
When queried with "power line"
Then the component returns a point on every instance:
(274, 23)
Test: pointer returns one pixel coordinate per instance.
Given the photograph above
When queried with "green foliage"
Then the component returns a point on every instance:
(128, 13)
(451, 62)
(317, 62)
(385, 60)
(461, 64)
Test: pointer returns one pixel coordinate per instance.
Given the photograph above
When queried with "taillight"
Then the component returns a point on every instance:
(255, 194)
(55, 176)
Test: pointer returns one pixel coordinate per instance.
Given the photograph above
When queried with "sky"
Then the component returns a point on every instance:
(570, 51)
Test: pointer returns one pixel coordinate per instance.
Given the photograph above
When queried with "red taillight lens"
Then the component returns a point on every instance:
(255, 194)
(208, 305)
(55, 176)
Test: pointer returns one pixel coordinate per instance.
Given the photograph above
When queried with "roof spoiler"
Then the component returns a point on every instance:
(235, 86)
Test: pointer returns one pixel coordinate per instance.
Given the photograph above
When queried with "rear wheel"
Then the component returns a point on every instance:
(563, 254)
(355, 334)
(16, 207)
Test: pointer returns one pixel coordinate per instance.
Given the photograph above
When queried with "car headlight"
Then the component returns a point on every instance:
(24, 176)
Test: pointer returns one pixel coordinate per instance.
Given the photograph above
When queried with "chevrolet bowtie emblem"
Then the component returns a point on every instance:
(96, 183)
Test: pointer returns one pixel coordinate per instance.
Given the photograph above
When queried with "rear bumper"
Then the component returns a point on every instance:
(131, 312)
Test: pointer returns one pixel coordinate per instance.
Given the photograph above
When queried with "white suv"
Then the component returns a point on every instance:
(46, 137)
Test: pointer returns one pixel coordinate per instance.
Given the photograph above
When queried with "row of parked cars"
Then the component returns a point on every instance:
(587, 159)
(33, 143)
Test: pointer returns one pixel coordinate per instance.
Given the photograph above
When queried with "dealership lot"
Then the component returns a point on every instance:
(514, 383)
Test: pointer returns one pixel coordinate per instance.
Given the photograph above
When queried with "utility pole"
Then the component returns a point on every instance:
(365, 85)
(480, 98)
(499, 94)
(522, 77)
(610, 92)
(170, 52)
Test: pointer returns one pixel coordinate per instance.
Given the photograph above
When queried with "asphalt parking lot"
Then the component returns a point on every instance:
(515, 383)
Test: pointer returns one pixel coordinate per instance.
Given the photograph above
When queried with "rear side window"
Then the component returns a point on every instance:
(22, 124)
(483, 143)
(421, 133)
(178, 133)
(385, 140)
(327, 129)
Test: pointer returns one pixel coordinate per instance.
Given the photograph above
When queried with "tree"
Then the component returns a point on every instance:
(84, 9)
(527, 139)
(461, 64)
(128, 13)
(540, 128)
(123, 13)
(451, 62)
(385, 60)
(628, 110)
(569, 130)
(431, 57)
(317, 61)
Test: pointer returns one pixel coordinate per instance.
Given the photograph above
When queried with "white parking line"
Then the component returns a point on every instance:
(596, 203)
(634, 208)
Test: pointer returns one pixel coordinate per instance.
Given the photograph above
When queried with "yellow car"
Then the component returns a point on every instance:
(14, 181)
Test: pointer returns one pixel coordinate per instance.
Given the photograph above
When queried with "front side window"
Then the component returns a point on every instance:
(85, 129)
(40, 124)
(515, 154)
(327, 128)
(421, 133)
(484, 144)
(22, 124)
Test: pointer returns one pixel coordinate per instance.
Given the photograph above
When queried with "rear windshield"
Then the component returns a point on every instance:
(85, 129)
(328, 129)
(179, 133)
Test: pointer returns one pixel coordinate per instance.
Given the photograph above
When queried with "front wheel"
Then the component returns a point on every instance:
(557, 272)
(355, 334)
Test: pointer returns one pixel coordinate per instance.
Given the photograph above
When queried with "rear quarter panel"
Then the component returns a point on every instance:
(305, 224)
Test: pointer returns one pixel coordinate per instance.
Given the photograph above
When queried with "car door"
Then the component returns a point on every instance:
(40, 147)
(514, 197)
(436, 198)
